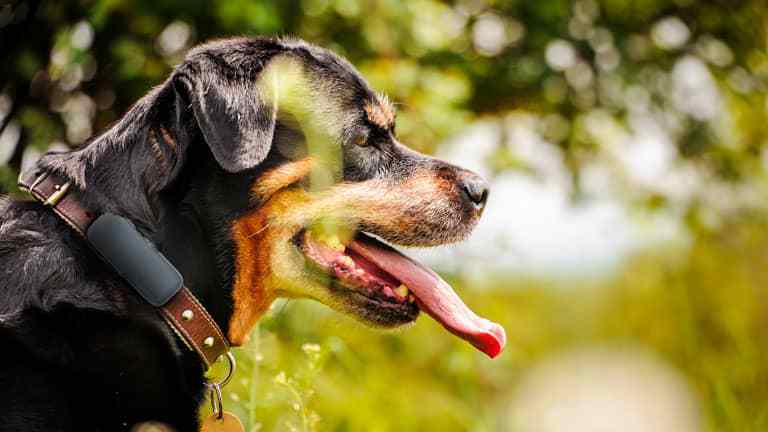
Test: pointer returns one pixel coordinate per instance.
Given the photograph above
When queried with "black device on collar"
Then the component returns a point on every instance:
(135, 258)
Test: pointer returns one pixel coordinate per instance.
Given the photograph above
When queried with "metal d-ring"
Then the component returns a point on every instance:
(217, 404)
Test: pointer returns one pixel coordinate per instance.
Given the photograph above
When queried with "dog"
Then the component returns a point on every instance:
(261, 168)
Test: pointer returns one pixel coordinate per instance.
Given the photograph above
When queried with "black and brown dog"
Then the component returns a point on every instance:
(219, 168)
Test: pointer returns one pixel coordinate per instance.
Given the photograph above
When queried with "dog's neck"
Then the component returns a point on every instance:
(195, 232)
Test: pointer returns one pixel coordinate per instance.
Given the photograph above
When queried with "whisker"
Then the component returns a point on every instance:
(260, 231)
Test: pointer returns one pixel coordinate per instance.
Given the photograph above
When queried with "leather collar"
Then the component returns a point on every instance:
(183, 312)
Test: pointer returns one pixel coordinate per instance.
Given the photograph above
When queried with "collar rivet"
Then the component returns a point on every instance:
(208, 342)
(187, 315)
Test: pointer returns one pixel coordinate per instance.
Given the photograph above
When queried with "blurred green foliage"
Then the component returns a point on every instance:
(701, 310)
(444, 63)
(593, 73)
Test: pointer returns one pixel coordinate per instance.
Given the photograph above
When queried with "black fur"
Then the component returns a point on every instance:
(80, 350)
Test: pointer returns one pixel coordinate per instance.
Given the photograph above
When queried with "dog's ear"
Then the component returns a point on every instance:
(232, 114)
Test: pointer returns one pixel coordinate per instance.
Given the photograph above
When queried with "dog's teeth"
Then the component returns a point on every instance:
(402, 291)
(359, 272)
(347, 261)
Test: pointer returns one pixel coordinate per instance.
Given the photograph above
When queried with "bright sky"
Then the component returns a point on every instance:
(530, 225)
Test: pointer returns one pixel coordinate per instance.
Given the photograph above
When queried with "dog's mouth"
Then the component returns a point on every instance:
(387, 288)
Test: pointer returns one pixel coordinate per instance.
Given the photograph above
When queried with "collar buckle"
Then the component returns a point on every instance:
(61, 192)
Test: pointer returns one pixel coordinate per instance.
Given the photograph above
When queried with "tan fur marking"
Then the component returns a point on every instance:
(380, 112)
(168, 139)
(280, 177)
(250, 298)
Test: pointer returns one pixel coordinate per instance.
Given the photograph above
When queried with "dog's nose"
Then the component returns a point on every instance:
(476, 189)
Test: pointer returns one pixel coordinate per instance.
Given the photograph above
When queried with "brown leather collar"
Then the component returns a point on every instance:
(183, 312)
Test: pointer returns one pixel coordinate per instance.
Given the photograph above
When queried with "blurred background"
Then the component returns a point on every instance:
(625, 246)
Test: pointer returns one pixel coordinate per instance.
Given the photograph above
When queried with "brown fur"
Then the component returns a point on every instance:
(168, 139)
(251, 299)
(280, 177)
(380, 112)
(156, 150)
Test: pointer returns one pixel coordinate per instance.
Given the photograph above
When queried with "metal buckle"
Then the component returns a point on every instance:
(61, 191)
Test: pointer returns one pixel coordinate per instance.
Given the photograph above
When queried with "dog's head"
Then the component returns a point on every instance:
(328, 183)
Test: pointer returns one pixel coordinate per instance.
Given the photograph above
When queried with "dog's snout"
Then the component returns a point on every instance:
(476, 189)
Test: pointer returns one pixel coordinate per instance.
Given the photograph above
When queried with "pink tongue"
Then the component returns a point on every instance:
(434, 296)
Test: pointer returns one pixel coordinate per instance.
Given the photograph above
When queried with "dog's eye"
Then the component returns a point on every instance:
(361, 139)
